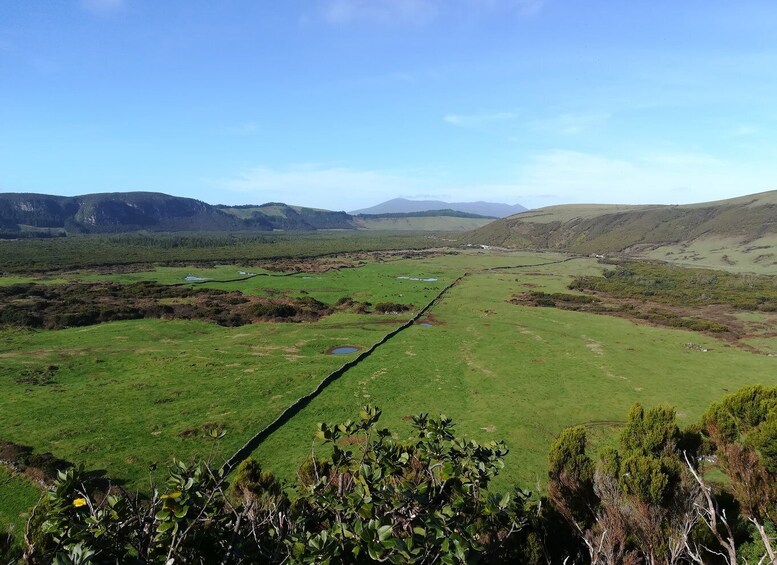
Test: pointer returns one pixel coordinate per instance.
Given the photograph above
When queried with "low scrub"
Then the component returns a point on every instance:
(59, 306)
(392, 308)
(682, 286)
(595, 305)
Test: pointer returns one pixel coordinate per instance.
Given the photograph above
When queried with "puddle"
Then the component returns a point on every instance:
(343, 350)
(425, 324)
(192, 278)
(416, 279)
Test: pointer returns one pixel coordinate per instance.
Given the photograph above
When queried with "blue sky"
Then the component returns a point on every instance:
(342, 104)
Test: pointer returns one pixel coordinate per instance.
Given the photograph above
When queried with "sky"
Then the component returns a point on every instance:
(342, 104)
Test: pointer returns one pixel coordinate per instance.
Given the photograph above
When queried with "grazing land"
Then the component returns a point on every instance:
(126, 396)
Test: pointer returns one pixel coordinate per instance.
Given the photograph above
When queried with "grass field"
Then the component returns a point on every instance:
(17, 496)
(523, 374)
(129, 394)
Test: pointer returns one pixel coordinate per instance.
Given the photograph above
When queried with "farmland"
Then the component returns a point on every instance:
(128, 396)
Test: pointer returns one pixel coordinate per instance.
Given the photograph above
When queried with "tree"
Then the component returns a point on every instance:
(743, 430)
(638, 503)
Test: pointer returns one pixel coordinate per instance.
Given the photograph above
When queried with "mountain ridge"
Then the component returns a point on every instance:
(404, 205)
(26, 214)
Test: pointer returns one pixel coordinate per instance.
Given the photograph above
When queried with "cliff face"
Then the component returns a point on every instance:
(115, 212)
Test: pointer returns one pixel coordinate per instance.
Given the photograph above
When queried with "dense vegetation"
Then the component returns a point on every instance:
(426, 500)
(684, 287)
(92, 251)
(57, 306)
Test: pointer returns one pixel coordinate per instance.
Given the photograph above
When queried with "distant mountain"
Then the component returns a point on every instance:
(597, 228)
(402, 205)
(41, 215)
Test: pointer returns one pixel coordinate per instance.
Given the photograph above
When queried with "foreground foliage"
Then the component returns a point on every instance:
(423, 500)
(426, 500)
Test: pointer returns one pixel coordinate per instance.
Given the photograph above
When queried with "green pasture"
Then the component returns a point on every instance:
(129, 395)
(17, 497)
(523, 374)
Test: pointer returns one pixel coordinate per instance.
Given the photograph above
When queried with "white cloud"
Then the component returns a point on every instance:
(103, 6)
(479, 119)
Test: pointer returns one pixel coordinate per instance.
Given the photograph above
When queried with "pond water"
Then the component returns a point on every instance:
(192, 278)
(426, 324)
(416, 279)
(344, 350)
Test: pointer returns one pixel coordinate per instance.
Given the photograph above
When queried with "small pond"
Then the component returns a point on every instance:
(416, 279)
(425, 324)
(343, 350)
(192, 278)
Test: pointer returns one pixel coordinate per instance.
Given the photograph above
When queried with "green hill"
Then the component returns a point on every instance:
(739, 231)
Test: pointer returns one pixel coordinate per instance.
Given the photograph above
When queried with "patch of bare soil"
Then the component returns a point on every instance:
(431, 320)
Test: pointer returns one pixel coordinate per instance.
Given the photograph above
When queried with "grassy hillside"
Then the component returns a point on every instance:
(594, 228)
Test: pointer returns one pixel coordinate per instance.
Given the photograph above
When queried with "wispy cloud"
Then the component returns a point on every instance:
(419, 12)
(666, 178)
(320, 185)
(103, 6)
(743, 130)
(478, 119)
(570, 124)
(557, 176)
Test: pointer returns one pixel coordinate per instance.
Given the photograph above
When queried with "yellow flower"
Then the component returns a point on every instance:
(172, 495)
(79, 502)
